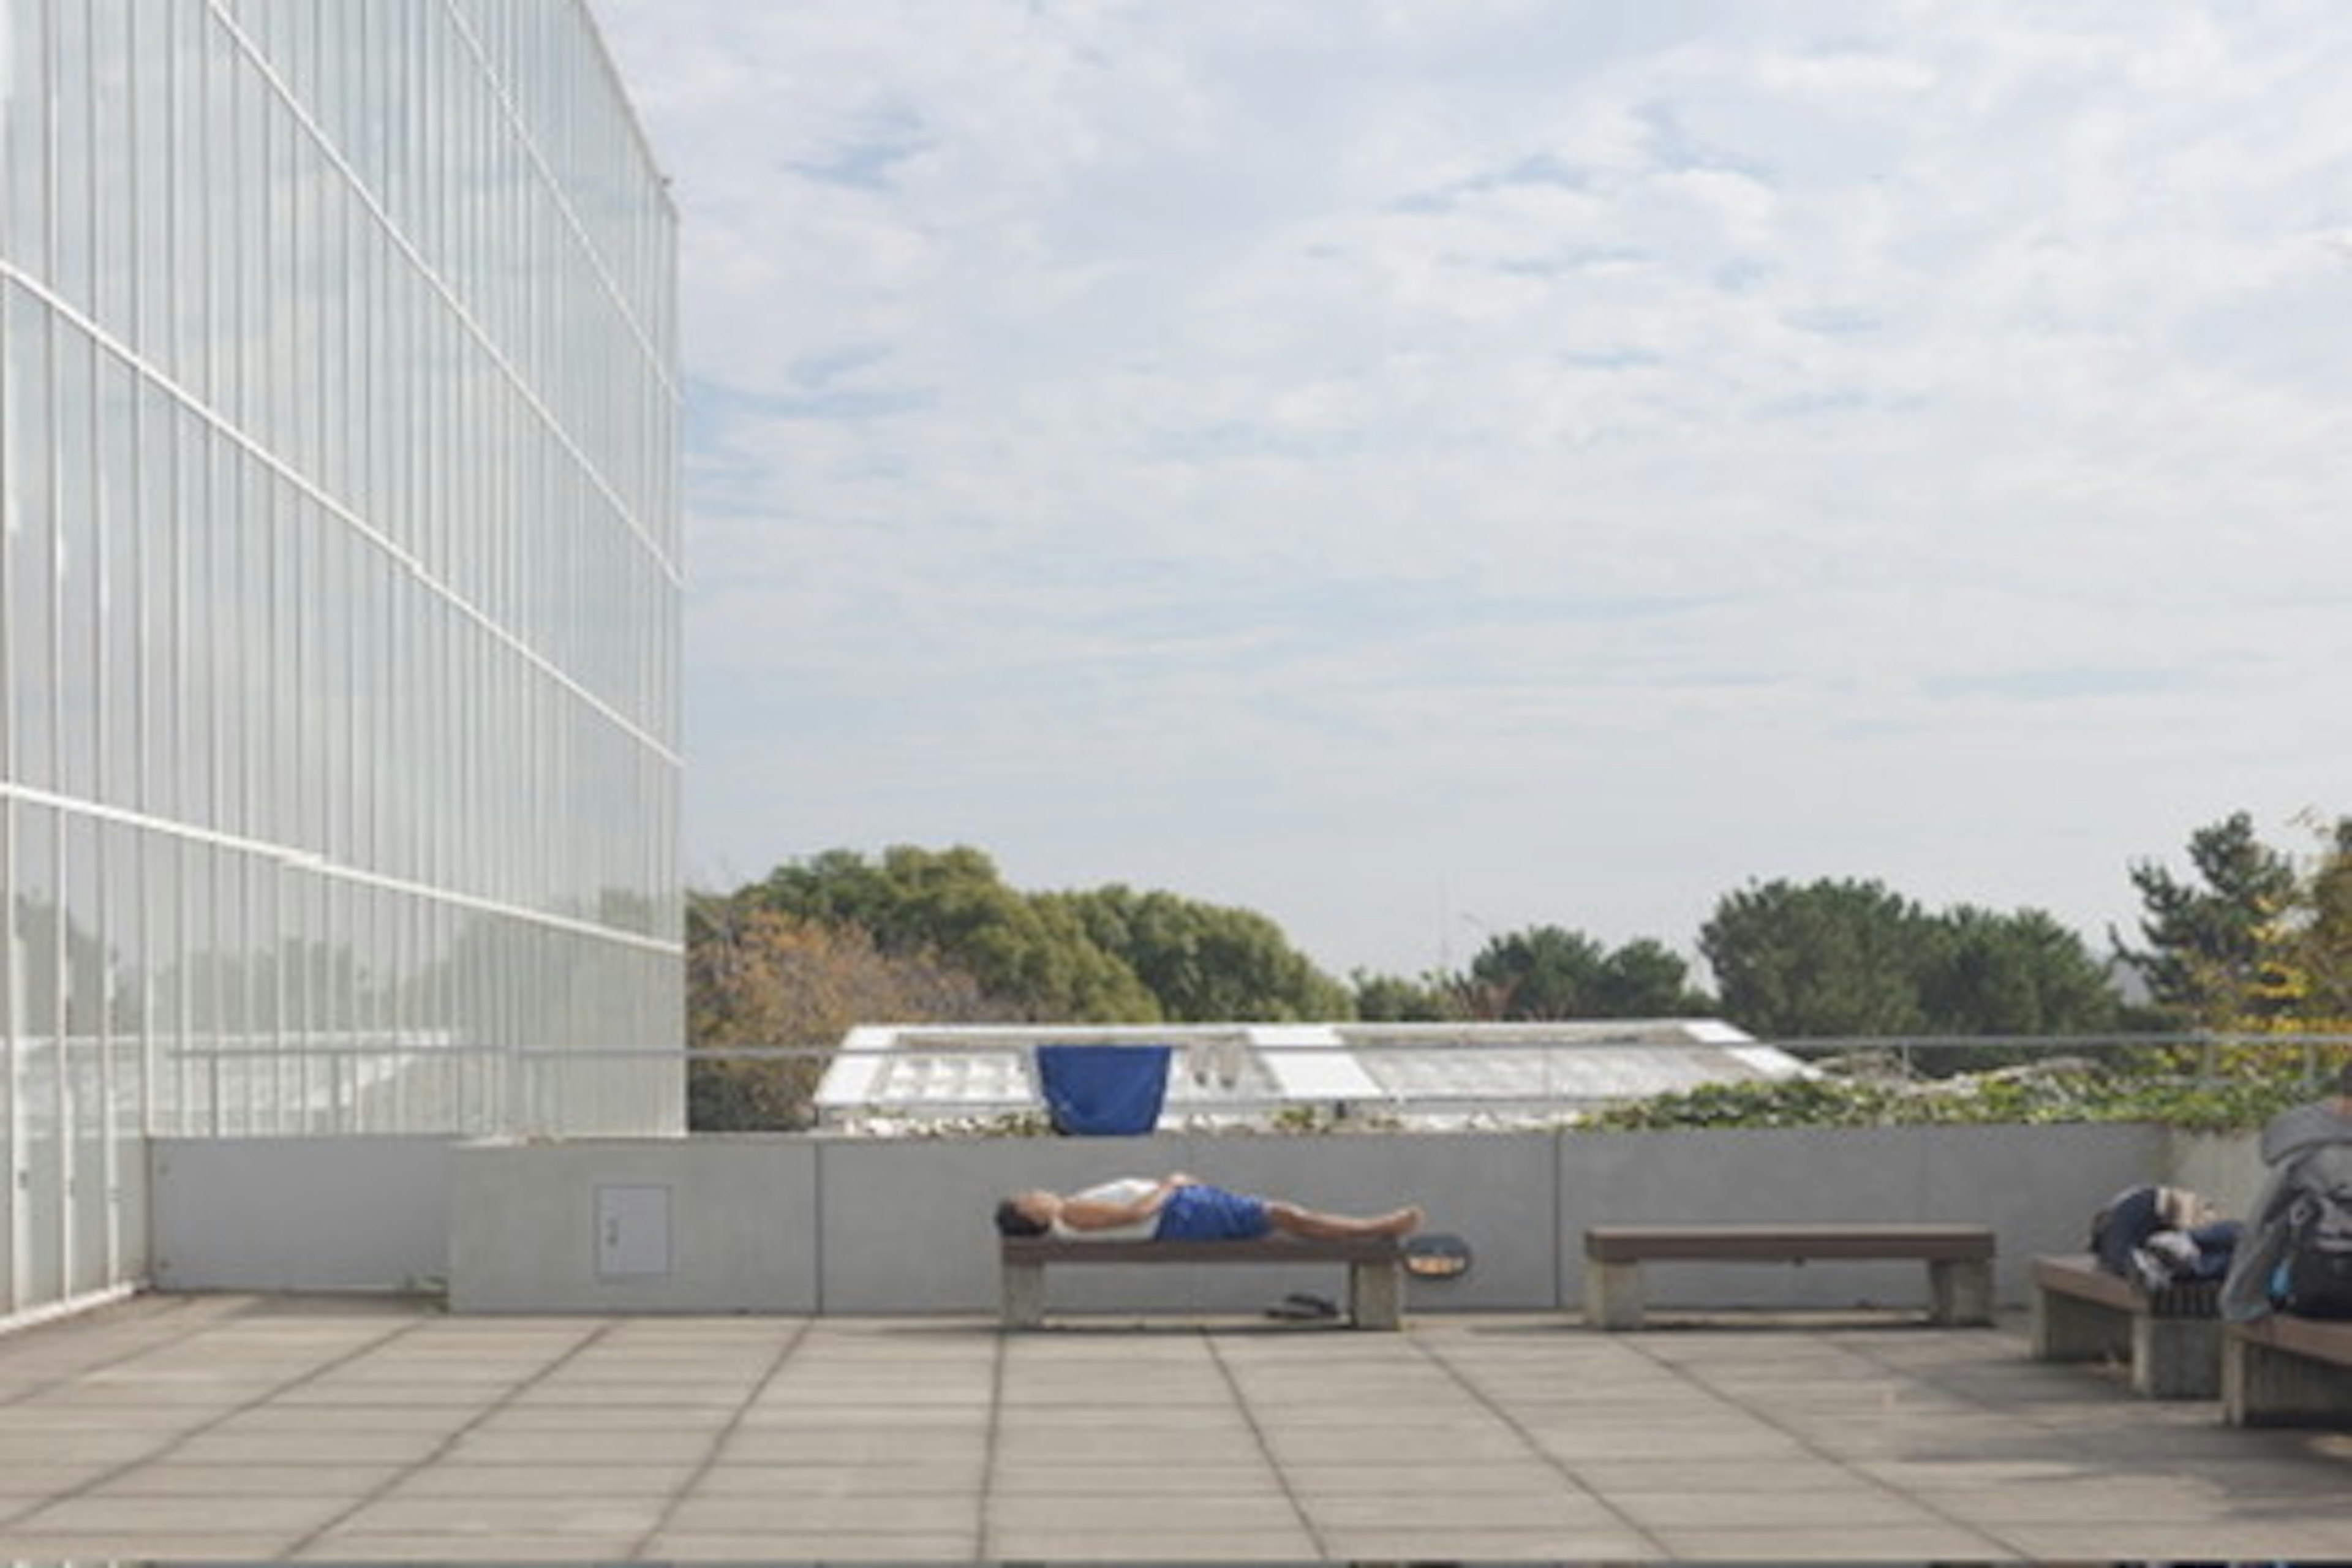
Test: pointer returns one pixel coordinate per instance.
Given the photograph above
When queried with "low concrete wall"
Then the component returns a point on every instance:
(905, 1224)
(795, 1225)
(2036, 1186)
(701, 1224)
(870, 1226)
(298, 1213)
(2225, 1168)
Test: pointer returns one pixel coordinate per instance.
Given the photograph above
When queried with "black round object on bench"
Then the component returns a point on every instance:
(1438, 1255)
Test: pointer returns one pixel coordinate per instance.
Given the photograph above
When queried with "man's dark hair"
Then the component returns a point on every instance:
(1011, 1221)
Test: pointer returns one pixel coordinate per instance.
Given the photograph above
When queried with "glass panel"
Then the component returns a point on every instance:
(38, 963)
(161, 595)
(112, 186)
(11, 988)
(89, 1113)
(30, 623)
(167, 991)
(154, 86)
(76, 690)
(72, 258)
(119, 609)
(24, 134)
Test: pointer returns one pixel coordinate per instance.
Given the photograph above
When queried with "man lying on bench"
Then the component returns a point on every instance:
(1178, 1208)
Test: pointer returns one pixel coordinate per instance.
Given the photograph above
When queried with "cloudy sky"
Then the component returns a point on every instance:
(1422, 469)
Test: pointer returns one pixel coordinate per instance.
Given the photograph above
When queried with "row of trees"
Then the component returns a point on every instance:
(2256, 937)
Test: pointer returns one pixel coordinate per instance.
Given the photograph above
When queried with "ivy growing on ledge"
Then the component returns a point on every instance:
(2202, 1105)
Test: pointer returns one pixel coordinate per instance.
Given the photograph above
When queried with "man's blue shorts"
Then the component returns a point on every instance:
(1212, 1214)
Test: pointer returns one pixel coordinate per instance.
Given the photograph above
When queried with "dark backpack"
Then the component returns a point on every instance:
(2316, 1266)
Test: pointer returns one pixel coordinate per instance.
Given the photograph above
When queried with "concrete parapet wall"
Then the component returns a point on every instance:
(800, 1224)
(298, 1213)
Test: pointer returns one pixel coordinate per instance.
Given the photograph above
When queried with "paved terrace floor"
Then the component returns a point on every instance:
(248, 1428)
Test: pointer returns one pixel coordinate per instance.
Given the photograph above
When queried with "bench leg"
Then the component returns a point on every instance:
(1960, 1293)
(1375, 1295)
(2265, 1388)
(1612, 1295)
(2068, 1328)
(2176, 1358)
(1024, 1295)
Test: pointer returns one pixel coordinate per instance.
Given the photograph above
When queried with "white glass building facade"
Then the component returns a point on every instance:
(339, 664)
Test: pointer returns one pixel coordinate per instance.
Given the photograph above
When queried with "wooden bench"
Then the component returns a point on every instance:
(1375, 1284)
(2283, 1371)
(1958, 1259)
(2170, 1339)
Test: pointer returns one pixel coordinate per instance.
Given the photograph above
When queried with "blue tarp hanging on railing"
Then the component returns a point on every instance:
(1103, 1091)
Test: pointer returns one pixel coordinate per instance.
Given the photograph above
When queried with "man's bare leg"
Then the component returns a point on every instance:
(1292, 1220)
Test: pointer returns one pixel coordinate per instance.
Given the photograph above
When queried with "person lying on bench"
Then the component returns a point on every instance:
(1178, 1208)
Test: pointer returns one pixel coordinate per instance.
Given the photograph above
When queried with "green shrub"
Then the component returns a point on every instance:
(2012, 1096)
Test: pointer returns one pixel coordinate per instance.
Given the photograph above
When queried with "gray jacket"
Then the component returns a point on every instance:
(2311, 1143)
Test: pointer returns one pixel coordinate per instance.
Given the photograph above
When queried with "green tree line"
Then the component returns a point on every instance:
(2253, 936)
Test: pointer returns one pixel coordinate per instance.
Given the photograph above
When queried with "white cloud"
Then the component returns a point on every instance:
(1308, 453)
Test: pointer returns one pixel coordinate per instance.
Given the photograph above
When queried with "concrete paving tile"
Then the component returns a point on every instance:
(1716, 1418)
(275, 1419)
(883, 1479)
(461, 1517)
(1222, 1418)
(612, 1446)
(38, 1483)
(1965, 1473)
(744, 1372)
(974, 1417)
(1562, 1509)
(198, 1388)
(173, 1479)
(346, 1447)
(806, 1546)
(830, 1388)
(940, 1511)
(865, 1417)
(531, 1418)
(524, 1546)
(2092, 1499)
(92, 1447)
(1665, 1474)
(2153, 1541)
(1085, 1448)
(1845, 1507)
(1754, 1444)
(453, 1480)
(1873, 1544)
(1612, 1544)
(2133, 1448)
(289, 1518)
(866, 1445)
(726, 1396)
(1083, 1512)
(423, 1391)
(2314, 1473)
(1053, 1479)
(64, 1412)
(1306, 1415)
(1063, 1546)
(1381, 1381)
(1482, 1439)
(1398, 1476)
(129, 1546)
(1062, 1387)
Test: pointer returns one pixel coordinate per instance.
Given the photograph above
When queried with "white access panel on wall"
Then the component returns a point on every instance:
(632, 1232)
